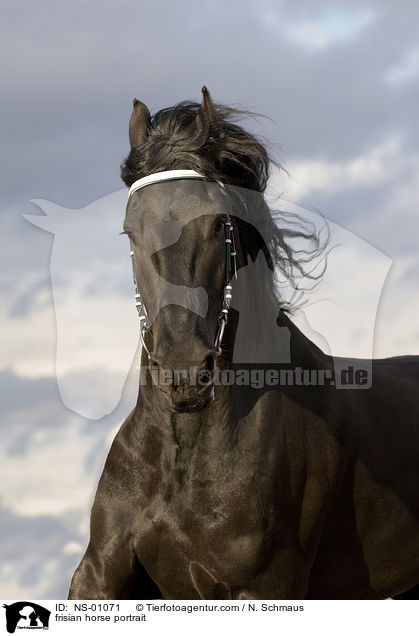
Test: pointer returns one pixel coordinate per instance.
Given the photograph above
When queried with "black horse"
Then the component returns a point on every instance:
(226, 489)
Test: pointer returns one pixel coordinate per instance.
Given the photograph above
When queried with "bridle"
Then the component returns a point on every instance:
(230, 257)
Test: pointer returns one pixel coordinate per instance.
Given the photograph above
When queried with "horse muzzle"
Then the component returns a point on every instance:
(186, 398)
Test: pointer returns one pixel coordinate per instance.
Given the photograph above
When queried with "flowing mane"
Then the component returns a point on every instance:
(208, 140)
(188, 137)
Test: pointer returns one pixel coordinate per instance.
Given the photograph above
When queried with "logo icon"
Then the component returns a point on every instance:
(26, 615)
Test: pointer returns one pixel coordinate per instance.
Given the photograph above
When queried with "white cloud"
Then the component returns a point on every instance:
(370, 168)
(406, 69)
(72, 547)
(34, 492)
(323, 31)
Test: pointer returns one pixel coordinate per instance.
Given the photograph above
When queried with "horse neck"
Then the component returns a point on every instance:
(303, 351)
(262, 330)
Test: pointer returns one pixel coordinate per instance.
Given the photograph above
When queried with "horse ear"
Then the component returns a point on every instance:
(206, 105)
(138, 123)
(207, 108)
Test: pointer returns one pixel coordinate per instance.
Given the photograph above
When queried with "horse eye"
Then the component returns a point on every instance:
(218, 226)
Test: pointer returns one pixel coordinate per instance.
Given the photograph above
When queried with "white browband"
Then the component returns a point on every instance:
(167, 175)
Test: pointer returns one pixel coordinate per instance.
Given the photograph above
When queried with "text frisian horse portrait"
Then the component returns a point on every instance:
(216, 487)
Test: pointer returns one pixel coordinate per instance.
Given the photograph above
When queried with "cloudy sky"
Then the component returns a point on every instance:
(338, 85)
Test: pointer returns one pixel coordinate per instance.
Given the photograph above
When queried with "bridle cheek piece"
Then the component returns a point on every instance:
(230, 258)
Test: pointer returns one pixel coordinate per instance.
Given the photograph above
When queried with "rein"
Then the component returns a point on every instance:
(230, 257)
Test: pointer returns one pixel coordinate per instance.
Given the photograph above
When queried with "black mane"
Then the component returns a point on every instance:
(186, 136)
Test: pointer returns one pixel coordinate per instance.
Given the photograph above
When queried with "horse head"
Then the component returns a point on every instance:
(195, 215)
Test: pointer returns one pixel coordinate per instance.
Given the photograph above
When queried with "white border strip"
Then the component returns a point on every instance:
(167, 175)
